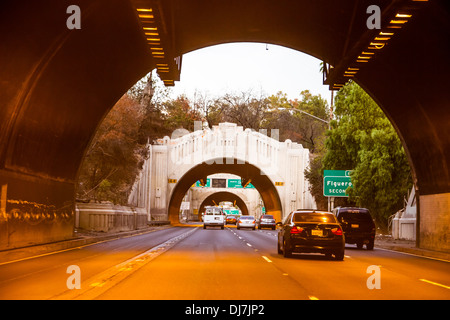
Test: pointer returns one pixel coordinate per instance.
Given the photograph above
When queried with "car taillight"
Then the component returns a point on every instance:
(254, 221)
(296, 230)
(337, 231)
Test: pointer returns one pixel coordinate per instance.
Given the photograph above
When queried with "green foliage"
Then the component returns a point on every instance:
(363, 139)
(285, 115)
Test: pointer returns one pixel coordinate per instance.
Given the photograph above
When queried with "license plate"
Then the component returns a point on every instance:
(355, 225)
(216, 218)
(317, 233)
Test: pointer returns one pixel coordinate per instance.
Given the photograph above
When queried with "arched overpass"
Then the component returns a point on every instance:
(57, 84)
(224, 196)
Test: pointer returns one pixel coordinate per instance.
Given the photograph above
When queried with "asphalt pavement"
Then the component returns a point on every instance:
(189, 263)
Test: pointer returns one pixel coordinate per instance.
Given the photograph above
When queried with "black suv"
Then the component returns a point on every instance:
(358, 226)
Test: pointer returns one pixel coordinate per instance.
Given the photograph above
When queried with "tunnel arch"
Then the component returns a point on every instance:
(224, 196)
(57, 85)
(260, 181)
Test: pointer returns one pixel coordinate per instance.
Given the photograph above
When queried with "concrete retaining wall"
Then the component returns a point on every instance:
(109, 217)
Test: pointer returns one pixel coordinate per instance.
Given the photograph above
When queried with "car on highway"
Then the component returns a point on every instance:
(231, 219)
(266, 221)
(308, 231)
(213, 217)
(358, 226)
(246, 222)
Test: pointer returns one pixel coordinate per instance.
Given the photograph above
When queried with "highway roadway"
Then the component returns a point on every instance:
(190, 263)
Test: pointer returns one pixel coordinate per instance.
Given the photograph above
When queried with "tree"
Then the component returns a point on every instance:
(151, 94)
(292, 124)
(180, 114)
(363, 139)
(115, 156)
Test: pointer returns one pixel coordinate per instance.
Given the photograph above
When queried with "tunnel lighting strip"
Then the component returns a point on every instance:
(376, 44)
(153, 37)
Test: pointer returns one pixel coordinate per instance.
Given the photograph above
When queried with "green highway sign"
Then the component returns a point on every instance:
(336, 173)
(236, 183)
(336, 182)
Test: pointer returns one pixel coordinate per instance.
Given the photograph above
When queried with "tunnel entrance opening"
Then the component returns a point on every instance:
(262, 183)
(224, 196)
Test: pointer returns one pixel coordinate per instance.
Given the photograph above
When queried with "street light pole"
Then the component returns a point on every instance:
(330, 202)
(304, 112)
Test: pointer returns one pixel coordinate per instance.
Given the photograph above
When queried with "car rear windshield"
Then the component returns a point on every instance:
(314, 217)
(247, 218)
(267, 216)
(213, 211)
(362, 215)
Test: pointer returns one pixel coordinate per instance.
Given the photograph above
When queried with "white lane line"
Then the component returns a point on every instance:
(248, 244)
(435, 283)
(267, 259)
(313, 298)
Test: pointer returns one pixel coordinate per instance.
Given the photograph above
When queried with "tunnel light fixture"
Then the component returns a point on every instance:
(151, 33)
(398, 21)
(146, 16)
(382, 38)
(376, 47)
(153, 39)
(386, 33)
(150, 28)
(144, 10)
(403, 15)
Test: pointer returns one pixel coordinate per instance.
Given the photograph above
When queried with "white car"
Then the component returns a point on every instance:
(213, 217)
(246, 222)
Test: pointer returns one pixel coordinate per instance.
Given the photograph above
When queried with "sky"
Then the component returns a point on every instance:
(261, 68)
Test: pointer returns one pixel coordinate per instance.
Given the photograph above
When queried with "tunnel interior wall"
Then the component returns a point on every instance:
(435, 224)
(56, 86)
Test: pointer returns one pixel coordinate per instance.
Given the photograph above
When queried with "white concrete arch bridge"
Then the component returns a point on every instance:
(274, 168)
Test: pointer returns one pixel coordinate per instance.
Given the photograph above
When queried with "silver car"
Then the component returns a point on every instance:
(246, 222)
